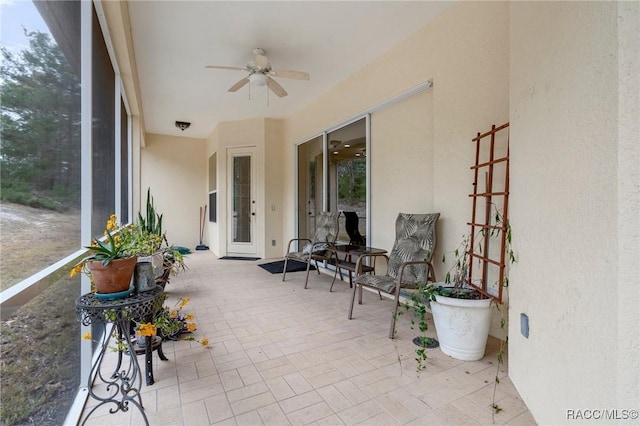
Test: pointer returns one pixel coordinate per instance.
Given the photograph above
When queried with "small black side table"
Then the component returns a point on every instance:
(123, 386)
(350, 264)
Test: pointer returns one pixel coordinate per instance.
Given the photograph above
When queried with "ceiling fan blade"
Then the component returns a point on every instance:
(298, 75)
(275, 87)
(238, 85)
(260, 60)
(220, 67)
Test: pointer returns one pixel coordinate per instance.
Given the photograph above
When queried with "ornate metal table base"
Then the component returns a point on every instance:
(123, 385)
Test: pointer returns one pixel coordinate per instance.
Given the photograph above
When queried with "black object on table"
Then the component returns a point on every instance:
(123, 386)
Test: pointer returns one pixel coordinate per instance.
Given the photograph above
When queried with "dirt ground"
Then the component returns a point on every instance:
(40, 342)
(31, 239)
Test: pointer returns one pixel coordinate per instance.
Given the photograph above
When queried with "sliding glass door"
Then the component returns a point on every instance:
(347, 175)
(337, 180)
(310, 177)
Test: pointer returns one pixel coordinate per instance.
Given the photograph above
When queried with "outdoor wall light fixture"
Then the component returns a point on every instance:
(182, 125)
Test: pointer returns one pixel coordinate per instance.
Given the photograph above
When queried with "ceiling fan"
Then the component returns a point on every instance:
(260, 73)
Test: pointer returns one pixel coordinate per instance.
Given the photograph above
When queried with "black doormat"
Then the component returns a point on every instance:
(292, 266)
(239, 258)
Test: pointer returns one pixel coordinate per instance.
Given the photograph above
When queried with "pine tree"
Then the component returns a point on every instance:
(40, 131)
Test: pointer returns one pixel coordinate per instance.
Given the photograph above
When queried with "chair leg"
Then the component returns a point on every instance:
(359, 294)
(306, 281)
(380, 294)
(284, 271)
(335, 273)
(353, 299)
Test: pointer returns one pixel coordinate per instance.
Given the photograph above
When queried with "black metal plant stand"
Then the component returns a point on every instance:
(123, 385)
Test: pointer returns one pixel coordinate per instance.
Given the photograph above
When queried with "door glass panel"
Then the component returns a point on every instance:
(242, 199)
(347, 179)
(310, 162)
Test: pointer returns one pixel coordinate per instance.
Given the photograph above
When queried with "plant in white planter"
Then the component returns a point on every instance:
(461, 314)
(461, 308)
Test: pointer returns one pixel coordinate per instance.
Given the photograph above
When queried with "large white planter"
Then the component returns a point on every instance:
(462, 326)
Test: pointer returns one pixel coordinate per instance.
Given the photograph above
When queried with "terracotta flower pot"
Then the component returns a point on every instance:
(113, 278)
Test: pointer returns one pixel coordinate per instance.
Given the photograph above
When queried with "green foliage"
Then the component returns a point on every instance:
(106, 251)
(152, 221)
(143, 243)
(352, 181)
(118, 245)
(40, 131)
(419, 301)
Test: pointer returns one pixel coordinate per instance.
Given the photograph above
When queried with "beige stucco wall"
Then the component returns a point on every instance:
(175, 169)
(402, 134)
(272, 178)
(571, 165)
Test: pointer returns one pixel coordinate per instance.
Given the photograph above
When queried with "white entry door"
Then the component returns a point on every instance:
(241, 228)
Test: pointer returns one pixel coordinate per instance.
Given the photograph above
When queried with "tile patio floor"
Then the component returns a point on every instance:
(282, 355)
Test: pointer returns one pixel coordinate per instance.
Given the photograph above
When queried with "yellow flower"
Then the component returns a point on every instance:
(191, 327)
(189, 317)
(183, 301)
(76, 270)
(86, 336)
(112, 223)
(173, 314)
(146, 329)
(204, 342)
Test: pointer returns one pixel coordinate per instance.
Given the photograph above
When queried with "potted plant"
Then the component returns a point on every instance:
(461, 314)
(150, 244)
(149, 237)
(461, 311)
(111, 263)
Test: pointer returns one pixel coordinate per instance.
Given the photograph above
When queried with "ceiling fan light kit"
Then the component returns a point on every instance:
(261, 73)
(258, 79)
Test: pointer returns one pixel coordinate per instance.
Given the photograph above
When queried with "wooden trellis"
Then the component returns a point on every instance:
(487, 261)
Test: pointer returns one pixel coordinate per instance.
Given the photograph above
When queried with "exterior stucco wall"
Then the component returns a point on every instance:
(175, 171)
(275, 246)
(567, 200)
(403, 131)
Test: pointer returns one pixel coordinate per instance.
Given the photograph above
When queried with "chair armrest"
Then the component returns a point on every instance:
(295, 239)
(362, 257)
(430, 271)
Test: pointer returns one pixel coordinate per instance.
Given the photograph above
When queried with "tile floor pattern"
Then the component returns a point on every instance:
(282, 355)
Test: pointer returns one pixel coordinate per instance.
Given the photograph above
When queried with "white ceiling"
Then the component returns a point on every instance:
(174, 41)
